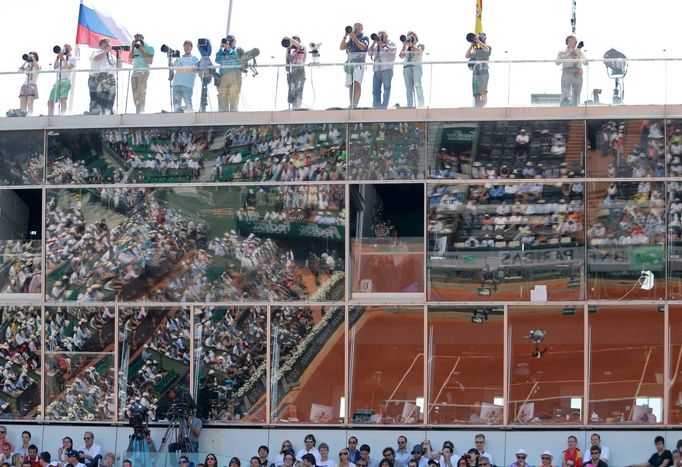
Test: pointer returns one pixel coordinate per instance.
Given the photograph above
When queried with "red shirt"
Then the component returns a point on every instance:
(575, 456)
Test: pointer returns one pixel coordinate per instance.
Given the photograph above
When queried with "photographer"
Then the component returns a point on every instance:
(102, 80)
(296, 55)
(183, 78)
(230, 84)
(64, 62)
(382, 51)
(412, 68)
(190, 435)
(355, 44)
(29, 90)
(142, 56)
(571, 60)
(479, 51)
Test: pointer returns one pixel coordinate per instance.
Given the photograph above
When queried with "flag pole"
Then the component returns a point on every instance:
(77, 52)
(229, 18)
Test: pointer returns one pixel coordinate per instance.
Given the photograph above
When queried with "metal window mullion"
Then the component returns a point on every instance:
(117, 366)
(506, 359)
(586, 365)
(268, 363)
(666, 364)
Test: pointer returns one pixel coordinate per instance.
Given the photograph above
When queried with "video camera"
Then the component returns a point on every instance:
(204, 46)
(138, 418)
(182, 405)
(248, 60)
(170, 52)
(119, 48)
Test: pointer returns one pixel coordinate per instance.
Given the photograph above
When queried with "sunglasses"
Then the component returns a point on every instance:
(520, 457)
(545, 458)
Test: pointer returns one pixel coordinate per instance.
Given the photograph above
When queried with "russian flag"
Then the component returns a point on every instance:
(95, 25)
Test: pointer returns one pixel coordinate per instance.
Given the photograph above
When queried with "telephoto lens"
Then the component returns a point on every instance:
(286, 42)
(403, 38)
(56, 49)
(349, 29)
(27, 58)
(374, 36)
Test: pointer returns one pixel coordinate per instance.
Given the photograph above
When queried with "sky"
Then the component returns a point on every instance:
(516, 30)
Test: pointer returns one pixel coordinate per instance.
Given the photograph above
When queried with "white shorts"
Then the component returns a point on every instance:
(358, 73)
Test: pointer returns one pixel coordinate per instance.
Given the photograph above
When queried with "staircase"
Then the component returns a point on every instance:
(575, 145)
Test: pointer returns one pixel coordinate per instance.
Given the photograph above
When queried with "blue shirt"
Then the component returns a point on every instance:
(355, 53)
(185, 78)
(228, 60)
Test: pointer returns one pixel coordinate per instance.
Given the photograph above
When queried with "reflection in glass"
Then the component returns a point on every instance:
(626, 364)
(675, 336)
(626, 238)
(674, 218)
(154, 357)
(79, 329)
(230, 349)
(307, 369)
(546, 364)
(20, 243)
(386, 151)
(466, 371)
(22, 159)
(626, 148)
(387, 238)
(673, 151)
(79, 386)
(386, 390)
(176, 155)
(505, 149)
(20, 359)
(506, 241)
(186, 244)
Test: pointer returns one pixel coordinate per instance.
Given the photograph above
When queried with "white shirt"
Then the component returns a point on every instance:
(106, 64)
(313, 451)
(93, 452)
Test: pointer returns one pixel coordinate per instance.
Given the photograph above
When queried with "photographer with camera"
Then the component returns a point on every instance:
(142, 56)
(230, 71)
(382, 51)
(183, 78)
(355, 44)
(102, 80)
(479, 52)
(296, 56)
(188, 437)
(64, 62)
(571, 60)
(29, 90)
(412, 67)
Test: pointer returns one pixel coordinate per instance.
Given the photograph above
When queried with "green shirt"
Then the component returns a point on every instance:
(139, 61)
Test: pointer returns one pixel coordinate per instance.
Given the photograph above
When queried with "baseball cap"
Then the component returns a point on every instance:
(72, 453)
(417, 448)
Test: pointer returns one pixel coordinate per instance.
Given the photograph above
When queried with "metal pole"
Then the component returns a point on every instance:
(229, 18)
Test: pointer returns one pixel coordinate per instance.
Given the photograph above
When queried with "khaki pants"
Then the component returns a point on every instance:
(228, 91)
(138, 81)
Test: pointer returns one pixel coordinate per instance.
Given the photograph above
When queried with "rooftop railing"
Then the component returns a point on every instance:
(444, 84)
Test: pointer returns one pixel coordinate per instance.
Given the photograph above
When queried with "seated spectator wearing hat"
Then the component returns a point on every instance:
(418, 456)
(546, 459)
(72, 458)
(521, 456)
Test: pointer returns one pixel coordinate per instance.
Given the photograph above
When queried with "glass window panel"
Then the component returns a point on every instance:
(387, 151)
(176, 155)
(673, 151)
(626, 148)
(546, 364)
(387, 247)
(506, 241)
(79, 386)
(307, 374)
(674, 218)
(675, 335)
(230, 365)
(197, 244)
(626, 235)
(386, 390)
(79, 363)
(21, 361)
(20, 244)
(465, 371)
(626, 364)
(22, 158)
(507, 149)
(154, 358)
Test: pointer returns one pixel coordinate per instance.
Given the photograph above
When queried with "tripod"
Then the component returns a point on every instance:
(179, 431)
(139, 450)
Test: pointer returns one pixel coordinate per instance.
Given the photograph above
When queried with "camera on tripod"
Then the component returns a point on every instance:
(170, 52)
(138, 419)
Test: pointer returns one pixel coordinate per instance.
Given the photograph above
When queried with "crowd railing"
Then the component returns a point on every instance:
(444, 84)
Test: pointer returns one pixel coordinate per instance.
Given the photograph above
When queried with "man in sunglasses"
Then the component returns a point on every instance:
(595, 461)
(521, 456)
(92, 453)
